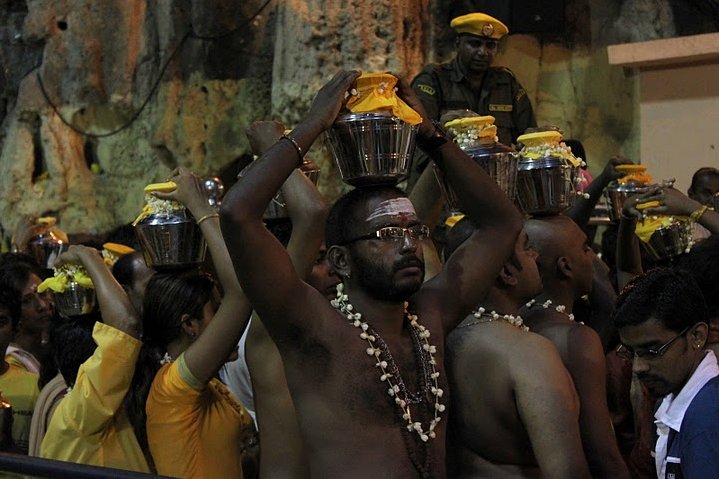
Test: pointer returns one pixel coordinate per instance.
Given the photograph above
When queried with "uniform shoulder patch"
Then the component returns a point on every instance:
(426, 89)
(504, 70)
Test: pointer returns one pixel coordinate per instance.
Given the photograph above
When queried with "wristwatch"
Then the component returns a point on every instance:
(438, 138)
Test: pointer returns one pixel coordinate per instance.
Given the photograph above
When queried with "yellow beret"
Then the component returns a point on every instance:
(479, 24)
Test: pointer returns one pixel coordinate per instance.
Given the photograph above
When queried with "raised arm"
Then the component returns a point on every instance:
(211, 349)
(262, 264)
(471, 270)
(305, 206)
(426, 197)
(674, 202)
(582, 209)
(629, 258)
(115, 306)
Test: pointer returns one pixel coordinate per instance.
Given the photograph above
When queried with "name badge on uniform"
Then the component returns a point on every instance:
(500, 107)
(427, 89)
(673, 468)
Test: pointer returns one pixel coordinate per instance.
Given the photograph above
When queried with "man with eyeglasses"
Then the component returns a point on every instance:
(662, 321)
(366, 372)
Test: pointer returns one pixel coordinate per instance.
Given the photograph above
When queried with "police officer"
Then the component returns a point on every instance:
(470, 82)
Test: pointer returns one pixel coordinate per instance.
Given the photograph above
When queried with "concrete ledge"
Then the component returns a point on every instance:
(692, 49)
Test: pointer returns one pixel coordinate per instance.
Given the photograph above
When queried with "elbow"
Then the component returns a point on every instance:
(235, 209)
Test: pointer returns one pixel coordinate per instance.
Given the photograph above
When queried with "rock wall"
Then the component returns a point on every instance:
(99, 98)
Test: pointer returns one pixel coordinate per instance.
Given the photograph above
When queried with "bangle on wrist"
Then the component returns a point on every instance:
(438, 138)
(627, 217)
(297, 147)
(214, 214)
(698, 213)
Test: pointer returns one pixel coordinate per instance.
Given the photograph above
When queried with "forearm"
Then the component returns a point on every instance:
(115, 306)
(249, 197)
(629, 259)
(710, 220)
(308, 212)
(427, 198)
(582, 209)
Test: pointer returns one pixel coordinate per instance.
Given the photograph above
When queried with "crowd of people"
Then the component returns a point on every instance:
(354, 343)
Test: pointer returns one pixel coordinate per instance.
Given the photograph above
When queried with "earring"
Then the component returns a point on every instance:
(348, 275)
(193, 334)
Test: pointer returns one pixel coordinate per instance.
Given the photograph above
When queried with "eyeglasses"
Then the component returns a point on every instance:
(649, 354)
(396, 233)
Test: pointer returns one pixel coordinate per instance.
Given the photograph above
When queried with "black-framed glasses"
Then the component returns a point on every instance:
(396, 233)
(649, 354)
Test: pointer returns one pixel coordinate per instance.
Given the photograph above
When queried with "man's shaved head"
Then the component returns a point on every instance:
(556, 238)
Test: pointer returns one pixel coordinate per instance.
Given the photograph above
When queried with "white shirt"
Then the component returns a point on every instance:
(236, 375)
(672, 409)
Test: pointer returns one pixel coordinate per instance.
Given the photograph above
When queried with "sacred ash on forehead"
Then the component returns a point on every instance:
(393, 208)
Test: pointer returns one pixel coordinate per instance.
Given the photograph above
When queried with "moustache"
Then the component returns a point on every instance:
(411, 262)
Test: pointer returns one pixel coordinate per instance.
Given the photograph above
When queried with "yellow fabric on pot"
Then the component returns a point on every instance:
(375, 92)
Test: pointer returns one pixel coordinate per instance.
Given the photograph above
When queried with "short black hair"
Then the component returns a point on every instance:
(670, 296)
(343, 214)
(707, 171)
(11, 303)
(124, 268)
(702, 263)
(72, 344)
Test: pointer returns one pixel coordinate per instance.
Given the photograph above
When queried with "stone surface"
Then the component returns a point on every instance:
(102, 65)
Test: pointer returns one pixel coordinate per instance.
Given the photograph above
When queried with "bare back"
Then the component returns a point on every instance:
(582, 353)
(512, 396)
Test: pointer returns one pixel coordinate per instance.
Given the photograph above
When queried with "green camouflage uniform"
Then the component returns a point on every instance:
(442, 88)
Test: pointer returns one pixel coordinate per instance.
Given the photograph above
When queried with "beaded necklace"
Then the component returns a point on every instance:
(389, 372)
(560, 308)
(482, 316)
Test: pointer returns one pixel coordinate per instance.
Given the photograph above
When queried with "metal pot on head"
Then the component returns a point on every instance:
(168, 234)
(76, 300)
(371, 148)
(547, 174)
(546, 186)
(669, 241)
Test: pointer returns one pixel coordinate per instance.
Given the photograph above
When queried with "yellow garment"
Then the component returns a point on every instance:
(19, 388)
(479, 24)
(90, 426)
(375, 92)
(194, 430)
(634, 174)
(645, 229)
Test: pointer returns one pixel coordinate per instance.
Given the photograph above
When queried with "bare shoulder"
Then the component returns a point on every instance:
(584, 344)
(532, 352)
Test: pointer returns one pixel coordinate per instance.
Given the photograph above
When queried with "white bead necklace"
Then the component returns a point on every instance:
(560, 308)
(482, 316)
(389, 370)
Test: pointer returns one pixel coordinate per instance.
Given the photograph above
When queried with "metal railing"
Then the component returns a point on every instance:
(38, 467)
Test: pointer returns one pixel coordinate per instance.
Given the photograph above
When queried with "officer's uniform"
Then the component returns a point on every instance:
(442, 88)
